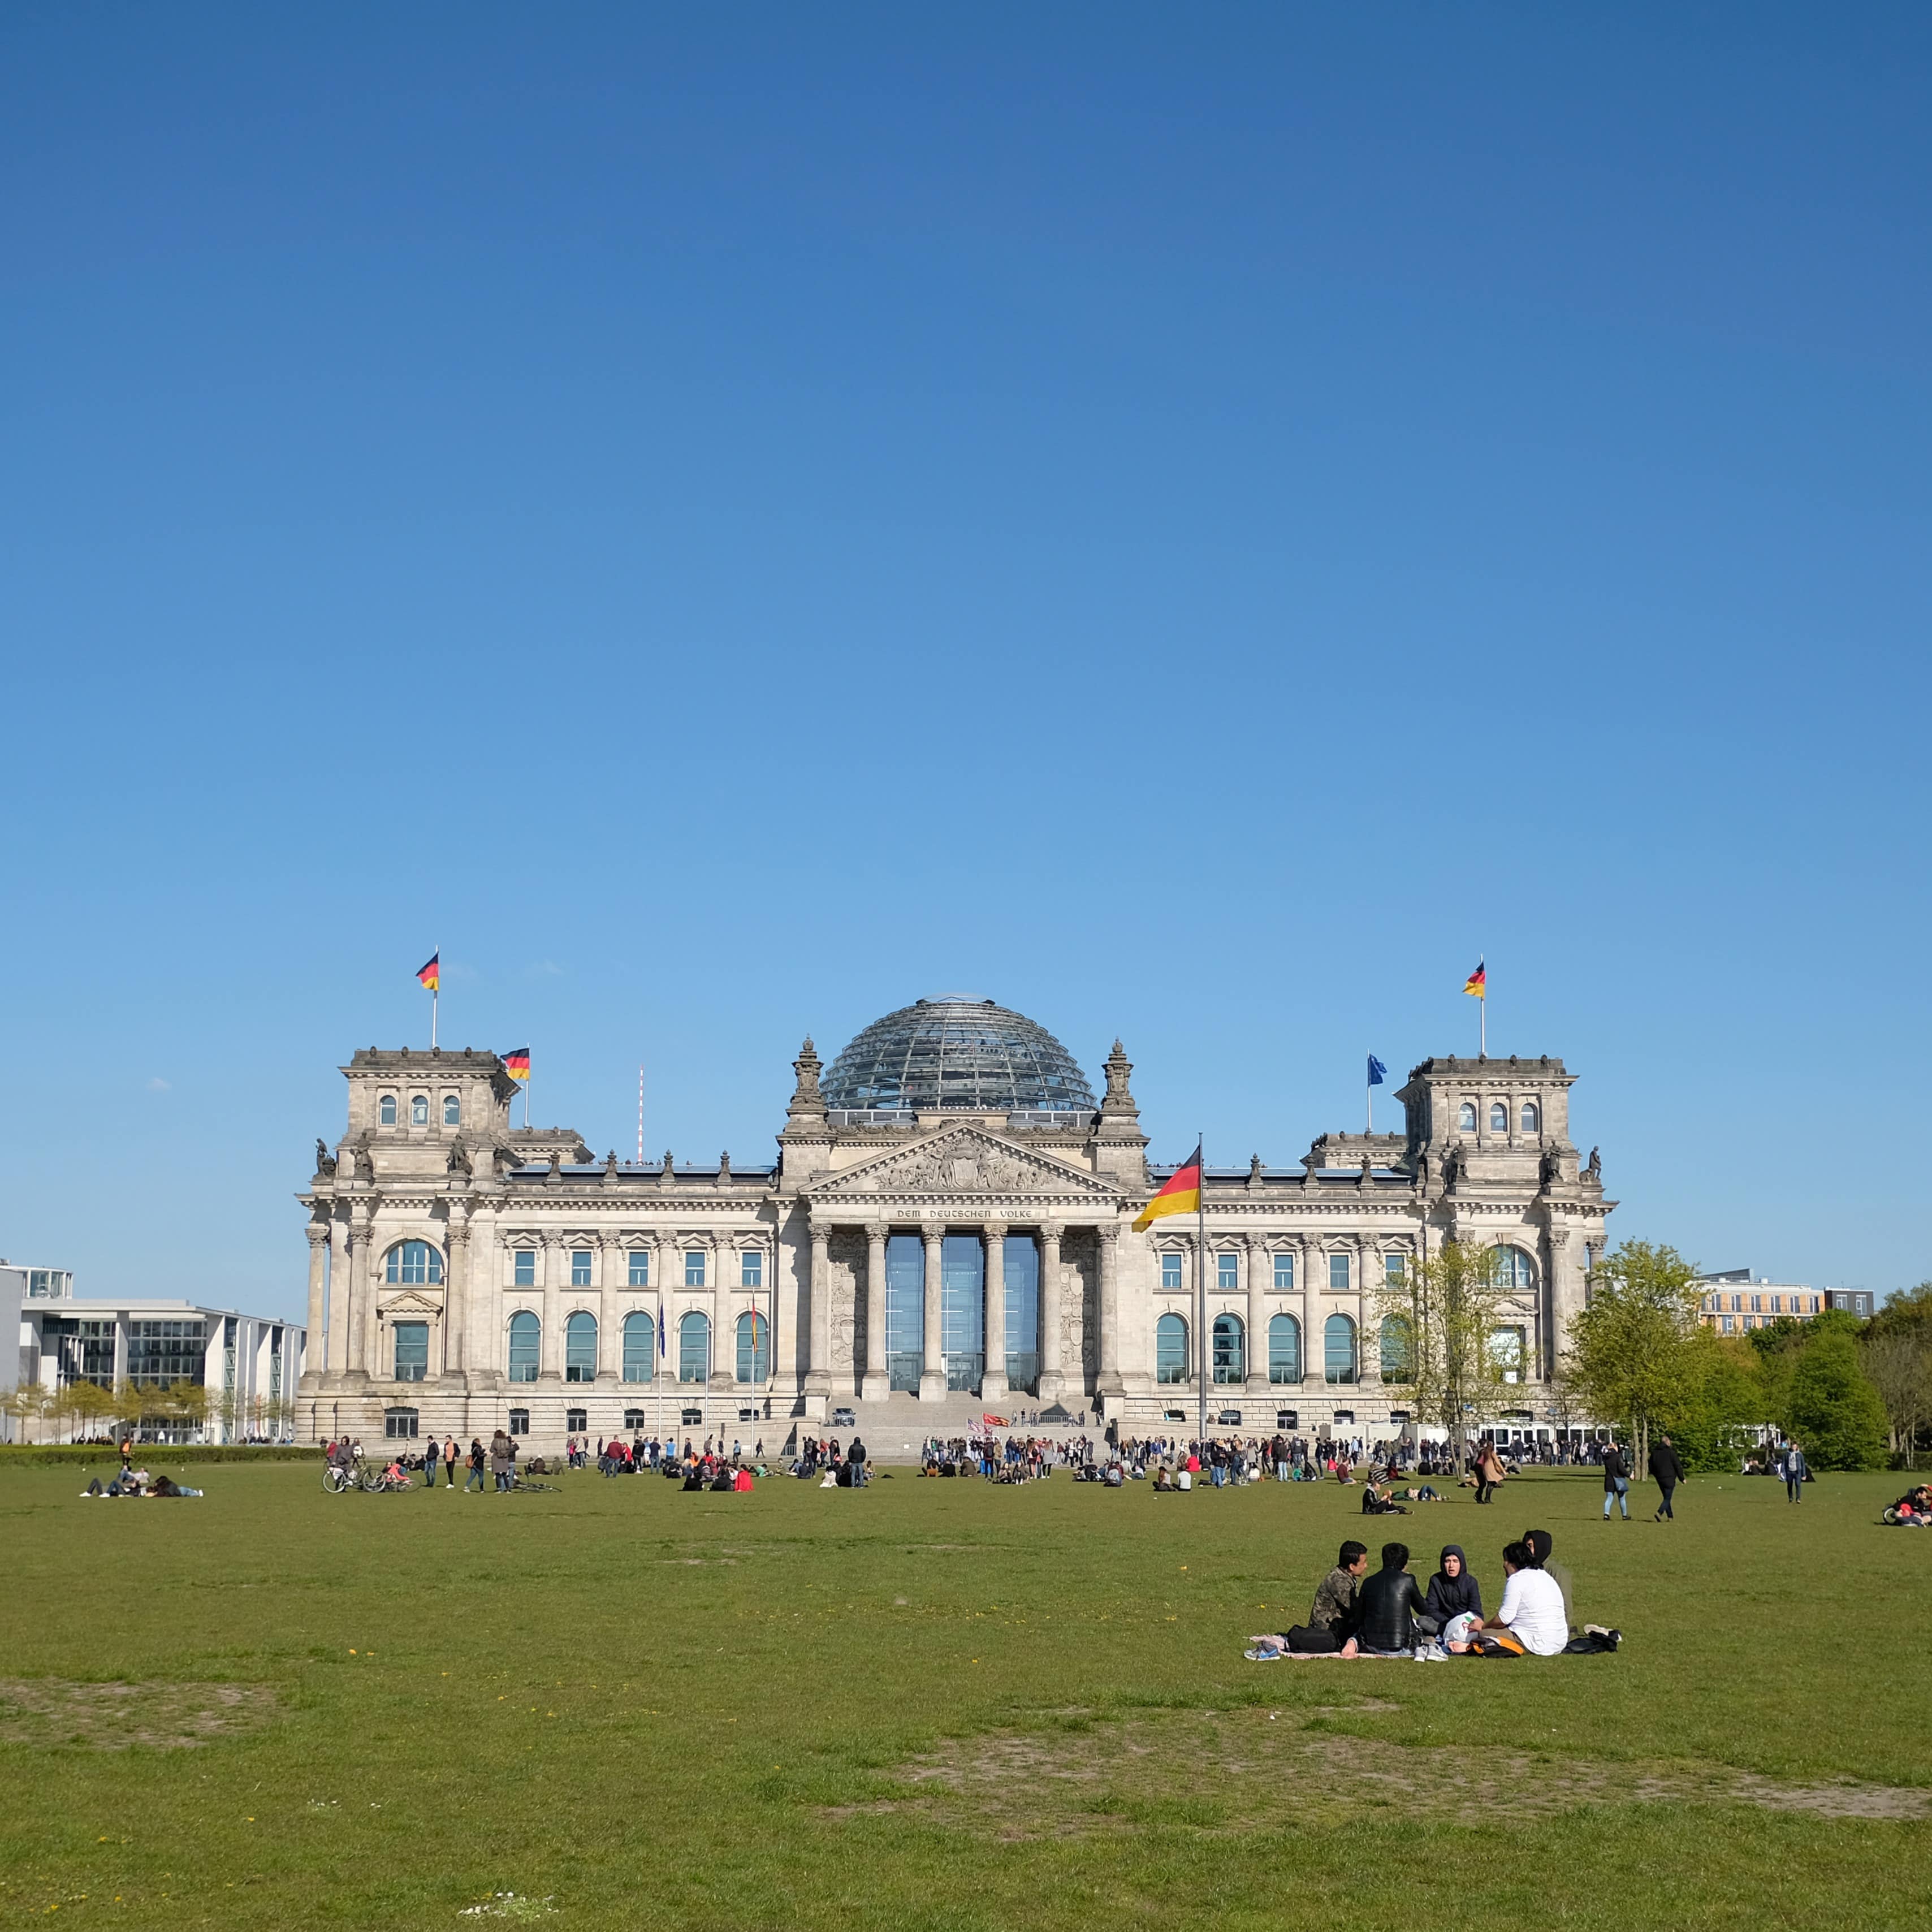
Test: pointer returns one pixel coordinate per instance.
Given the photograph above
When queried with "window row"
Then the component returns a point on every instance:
(1738, 1303)
(420, 1264)
(1514, 1270)
(1340, 1357)
(696, 1262)
(643, 1347)
(387, 1110)
(1529, 1120)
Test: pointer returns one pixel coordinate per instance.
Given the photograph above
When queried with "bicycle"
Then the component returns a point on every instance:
(519, 1482)
(377, 1481)
(339, 1478)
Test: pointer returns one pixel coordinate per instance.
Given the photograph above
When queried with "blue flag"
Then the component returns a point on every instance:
(663, 1332)
(1376, 1071)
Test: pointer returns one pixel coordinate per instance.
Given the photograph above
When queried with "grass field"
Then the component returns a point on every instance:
(941, 1705)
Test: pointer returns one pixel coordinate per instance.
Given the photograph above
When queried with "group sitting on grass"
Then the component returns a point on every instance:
(1912, 1510)
(1388, 1615)
(132, 1482)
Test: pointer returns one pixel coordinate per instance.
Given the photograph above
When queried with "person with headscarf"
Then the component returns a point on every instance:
(1539, 1542)
(1452, 1591)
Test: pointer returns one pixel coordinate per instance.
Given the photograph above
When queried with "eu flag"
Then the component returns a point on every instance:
(1376, 1071)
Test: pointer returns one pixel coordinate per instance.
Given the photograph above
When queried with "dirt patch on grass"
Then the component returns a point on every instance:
(111, 1717)
(1251, 1770)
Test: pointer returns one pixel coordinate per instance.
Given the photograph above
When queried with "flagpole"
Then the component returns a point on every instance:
(1202, 1346)
(435, 995)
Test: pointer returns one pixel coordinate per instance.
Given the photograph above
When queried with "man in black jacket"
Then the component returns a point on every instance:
(1666, 1472)
(1390, 1606)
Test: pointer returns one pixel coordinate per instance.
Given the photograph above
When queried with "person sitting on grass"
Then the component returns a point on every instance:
(1455, 1600)
(1376, 1501)
(1392, 1616)
(1530, 1620)
(1329, 1631)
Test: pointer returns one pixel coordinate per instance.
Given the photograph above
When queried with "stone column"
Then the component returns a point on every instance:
(932, 1376)
(818, 1373)
(1052, 1376)
(361, 1295)
(722, 1252)
(993, 1377)
(875, 1387)
(1258, 1285)
(455, 1292)
(612, 1260)
(332, 1349)
(1308, 1258)
(1368, 1315)
(318, 1277)
(550, 1368)
(1109, 1382)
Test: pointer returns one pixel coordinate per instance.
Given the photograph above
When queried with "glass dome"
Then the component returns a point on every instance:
(967, 1055)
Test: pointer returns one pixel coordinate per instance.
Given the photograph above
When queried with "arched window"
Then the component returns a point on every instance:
(1465, 1120)
(580, 1347)
(1513, 1269)
(452, 1111)
(1398, 1349)
(1231, 1353)
(1338, 1349)
(526, 1345)
(1170, 1349)
(1284, 1349)
(640, 1346)
(418, 1110)
(1531, 1120)
(385, 1110)
(412, 1263)
(755, 1348)
(694, 1348)
(1498, 1118)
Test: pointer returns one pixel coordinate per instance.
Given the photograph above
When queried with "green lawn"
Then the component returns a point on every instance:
(942, 1705)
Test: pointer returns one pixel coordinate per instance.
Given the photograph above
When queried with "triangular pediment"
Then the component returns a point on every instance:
(963, 1161)
(410, 1301)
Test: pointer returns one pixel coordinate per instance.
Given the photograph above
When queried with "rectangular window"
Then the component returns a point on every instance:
(752, 1268)
(1395, 1271)
(1777, 1304)
(1227, 1273)
(640, 1267)
(1757, 1304)
(634, 1420)
(1724, 1321)
(1170, 1271)
(1737, 1304)
(1284, 1271)
(411, 1351)
(519, 1422)
(527, 1267)
(693, 1268)
(399, 1424)
(577, 1420)
(1338, 1272)
(580, 1268)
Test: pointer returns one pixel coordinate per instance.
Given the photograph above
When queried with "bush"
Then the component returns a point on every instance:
(1833, 1410)
(84, 1455)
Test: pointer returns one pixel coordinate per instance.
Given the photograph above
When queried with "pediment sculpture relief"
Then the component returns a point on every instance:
(966, 1163)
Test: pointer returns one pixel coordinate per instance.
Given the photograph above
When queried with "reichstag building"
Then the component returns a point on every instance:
(947, 1230)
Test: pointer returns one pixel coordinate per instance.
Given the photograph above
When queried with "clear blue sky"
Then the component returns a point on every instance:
(1194, 522)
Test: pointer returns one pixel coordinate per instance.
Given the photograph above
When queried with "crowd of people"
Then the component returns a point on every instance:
(1389, 1614)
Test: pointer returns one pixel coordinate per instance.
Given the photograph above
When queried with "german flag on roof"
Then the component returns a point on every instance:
(1181, 1196)
(431, 975)
(517, 1062)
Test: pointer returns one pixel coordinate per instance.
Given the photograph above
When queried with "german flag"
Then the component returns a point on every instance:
(431, 975)
(1181, 1196)
(1476, 984)
(517, 1062)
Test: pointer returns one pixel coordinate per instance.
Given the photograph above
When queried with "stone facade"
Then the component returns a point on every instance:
(449, 1254)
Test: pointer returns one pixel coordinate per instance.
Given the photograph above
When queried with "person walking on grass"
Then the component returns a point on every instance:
(1795, 1472)
(1616, 1480)
(451, 1455)
(430, 1456)
(1666, 1471)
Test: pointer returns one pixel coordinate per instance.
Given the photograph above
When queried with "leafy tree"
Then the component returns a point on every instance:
(1440, 1318)
(1636, 1351)
(1723, 1392)
(1895, 1351)
(1834, 1411)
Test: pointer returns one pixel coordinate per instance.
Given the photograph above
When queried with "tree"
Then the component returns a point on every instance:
(1445, 1310)
(1833, 1411)
(1636, 1351)
(26, 1404)
(1724, 1393)
(1895, 1351)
